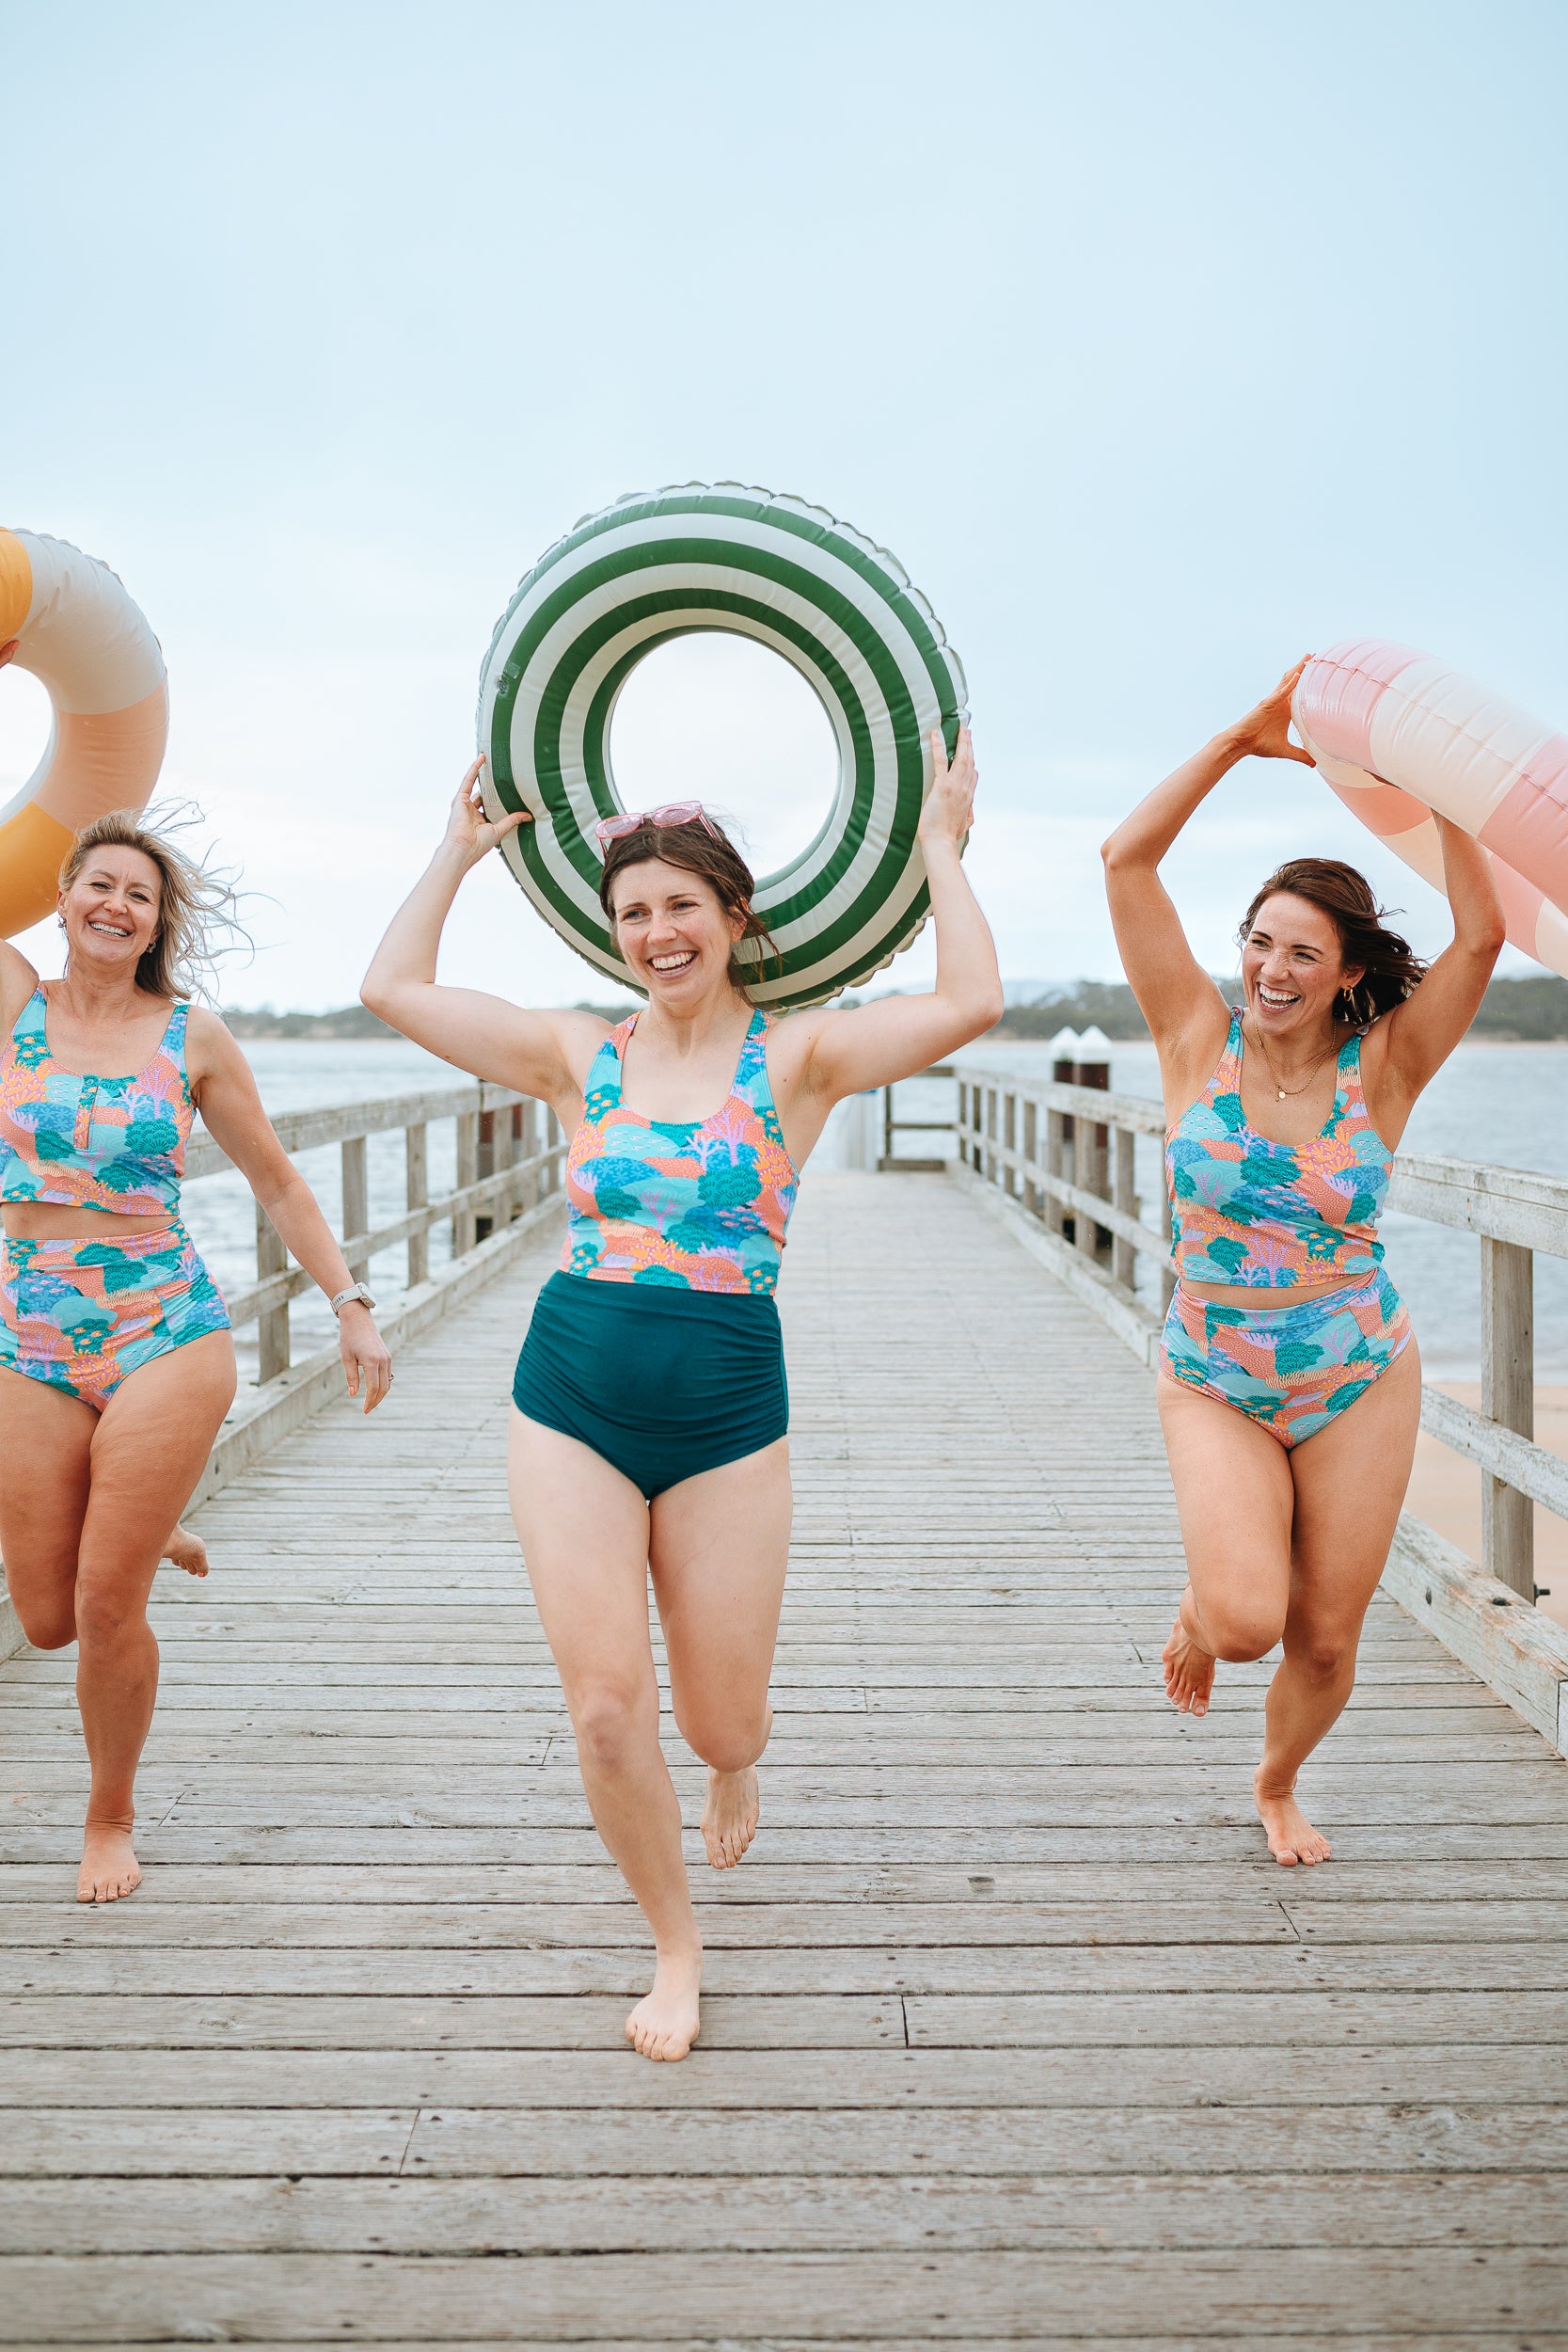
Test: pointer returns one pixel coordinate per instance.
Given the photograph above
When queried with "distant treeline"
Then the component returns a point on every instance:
(1535, 1006)
(354, 1022)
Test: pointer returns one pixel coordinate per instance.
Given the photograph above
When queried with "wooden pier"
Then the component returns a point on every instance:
(1013, 2033)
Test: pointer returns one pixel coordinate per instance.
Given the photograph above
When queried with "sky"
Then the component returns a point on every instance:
(1160, 344)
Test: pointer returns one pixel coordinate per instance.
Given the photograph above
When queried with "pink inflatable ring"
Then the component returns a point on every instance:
(1398, 736)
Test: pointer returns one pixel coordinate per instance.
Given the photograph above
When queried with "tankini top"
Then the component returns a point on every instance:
(76, 1142)
(1270, 1216)
(695, 1204)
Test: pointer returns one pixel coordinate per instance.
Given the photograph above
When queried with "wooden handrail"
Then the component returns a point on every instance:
(492, 1123)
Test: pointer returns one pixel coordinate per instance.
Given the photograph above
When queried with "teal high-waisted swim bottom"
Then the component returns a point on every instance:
(662, 1383)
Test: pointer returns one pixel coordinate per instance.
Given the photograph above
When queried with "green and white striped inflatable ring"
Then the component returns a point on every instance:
(661, 564)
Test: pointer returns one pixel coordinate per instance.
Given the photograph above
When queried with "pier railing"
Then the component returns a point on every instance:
(508, 1163)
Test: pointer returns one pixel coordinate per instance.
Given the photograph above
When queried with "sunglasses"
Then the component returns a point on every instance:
(674, 813)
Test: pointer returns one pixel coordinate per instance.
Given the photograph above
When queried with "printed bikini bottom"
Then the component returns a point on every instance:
(81, 1315)
(1290, 1368)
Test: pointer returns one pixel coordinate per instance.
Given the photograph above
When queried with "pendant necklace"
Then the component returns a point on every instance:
(1282, 1093)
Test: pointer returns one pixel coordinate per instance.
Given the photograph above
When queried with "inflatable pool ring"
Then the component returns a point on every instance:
(840, 610)
(65, 617)
(1399, 735)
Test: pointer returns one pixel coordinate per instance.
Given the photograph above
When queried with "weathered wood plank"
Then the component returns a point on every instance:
(1006, 1921)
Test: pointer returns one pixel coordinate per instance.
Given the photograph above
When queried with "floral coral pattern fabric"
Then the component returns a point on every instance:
(1290, 1366)
(1274, 1215)
(700, 1205)
(117, 1144)
(80, 1315)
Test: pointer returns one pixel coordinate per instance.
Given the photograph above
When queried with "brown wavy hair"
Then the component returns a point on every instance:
(1391, 968)
(714, 859)
(196, 918)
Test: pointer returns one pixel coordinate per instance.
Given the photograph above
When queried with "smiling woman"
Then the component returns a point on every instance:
(650, 1402)
(116, 1364)
(1289, 1388)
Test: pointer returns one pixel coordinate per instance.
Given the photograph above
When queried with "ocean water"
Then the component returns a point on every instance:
(1501, 1103)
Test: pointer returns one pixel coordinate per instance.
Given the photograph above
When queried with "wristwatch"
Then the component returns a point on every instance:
(356, 1291)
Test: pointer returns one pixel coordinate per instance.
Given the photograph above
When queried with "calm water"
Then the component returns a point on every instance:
(1501, 1103)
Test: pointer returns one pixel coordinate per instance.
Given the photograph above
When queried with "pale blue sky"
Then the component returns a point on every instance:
(1161, 343)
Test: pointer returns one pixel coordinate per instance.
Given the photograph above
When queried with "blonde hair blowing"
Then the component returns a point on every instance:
(197, 921)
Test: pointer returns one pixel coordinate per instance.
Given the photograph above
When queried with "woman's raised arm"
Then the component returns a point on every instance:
(870, 1046)
(1174, 994)
(1420, 1034)
(533, 1053)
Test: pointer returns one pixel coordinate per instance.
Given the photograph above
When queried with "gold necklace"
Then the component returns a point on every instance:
(1288, 1095)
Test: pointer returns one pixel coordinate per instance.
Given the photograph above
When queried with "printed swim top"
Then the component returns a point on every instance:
(117, 1144)
(1274, 1215)
(698, 1204)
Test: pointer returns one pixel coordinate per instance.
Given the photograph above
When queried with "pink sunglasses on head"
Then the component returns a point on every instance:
(674, 813)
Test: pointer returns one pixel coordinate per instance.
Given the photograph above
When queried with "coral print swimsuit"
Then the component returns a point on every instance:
(1275, 1217)
(658, 1344)
(80, 1315)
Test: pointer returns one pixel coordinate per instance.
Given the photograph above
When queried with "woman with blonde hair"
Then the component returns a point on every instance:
(116, 1363)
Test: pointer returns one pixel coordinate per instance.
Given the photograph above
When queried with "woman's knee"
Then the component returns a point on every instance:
(108, 1611)
(48, 1621)
(1239, 1633)
(1321, 1653)
(612, 1722)
(725, 1742)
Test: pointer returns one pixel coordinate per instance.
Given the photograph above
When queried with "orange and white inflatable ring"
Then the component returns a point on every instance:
(65, 617)
(1398, 736)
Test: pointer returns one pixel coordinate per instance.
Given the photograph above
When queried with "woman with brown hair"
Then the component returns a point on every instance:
(1289, 1386)
(650, 1406)
(117, 1365)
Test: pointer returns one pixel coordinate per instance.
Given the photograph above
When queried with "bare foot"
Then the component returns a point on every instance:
(109, 1866)
(1291, 1836)
(664, 2023)
(730, 1815)
(1188, 1667)
(186, 1551)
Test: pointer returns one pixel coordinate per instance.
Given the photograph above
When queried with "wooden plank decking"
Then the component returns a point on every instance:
(1013, 2032)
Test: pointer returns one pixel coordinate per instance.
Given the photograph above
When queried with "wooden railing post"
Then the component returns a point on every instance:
(484, 1165)
(1508, 1396)
(1059, 1136)
(467, 1173)
(1009, 1137)
(416, 1194)
(1124, 1257)
(1092, 1152)
(1031, 1155)
(272, 1329)
(357, 1204)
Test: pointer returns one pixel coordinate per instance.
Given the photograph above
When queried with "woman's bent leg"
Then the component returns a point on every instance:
(584, 1532)
(721, 1546)
(1349, 1483)
(45, 1473)
(148, 1452)
(1235, 1498)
